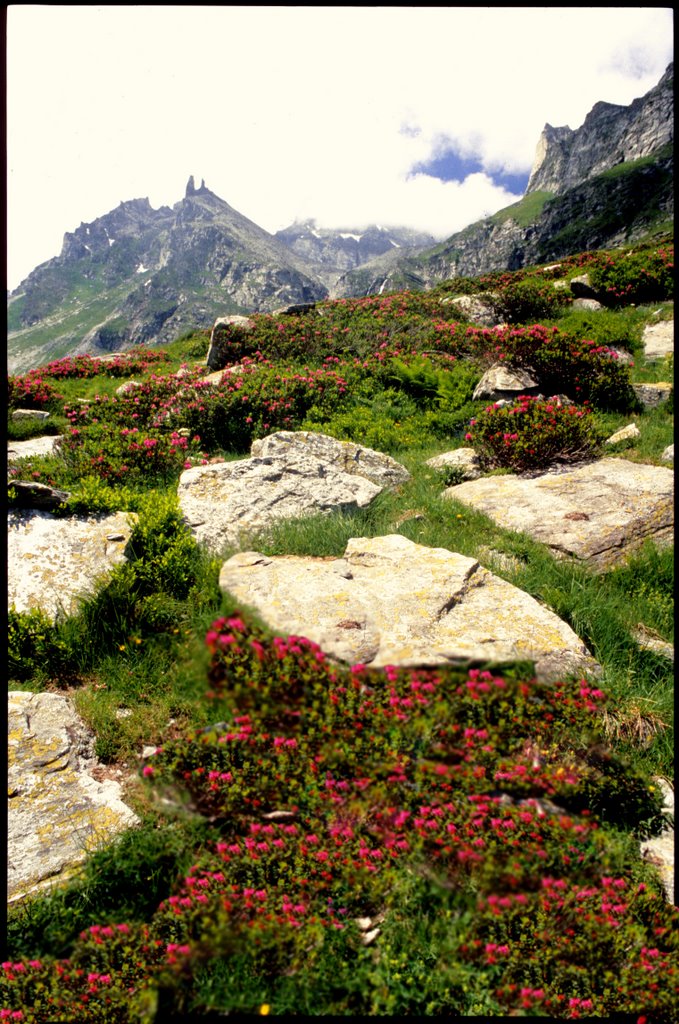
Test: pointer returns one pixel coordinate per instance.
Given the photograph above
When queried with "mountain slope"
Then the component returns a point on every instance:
(143, 275)
(609, 182)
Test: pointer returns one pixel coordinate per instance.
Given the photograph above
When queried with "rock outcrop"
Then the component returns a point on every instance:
(58, 812)
(53, 562)
(290, 475)
(611, 134)
(597, 512)
(390, 601)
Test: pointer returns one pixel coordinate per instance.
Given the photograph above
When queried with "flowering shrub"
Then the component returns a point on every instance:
(529, 299)
(31, 392)
(533, 434)
(577, 367)
(333, 786)
(635, 277)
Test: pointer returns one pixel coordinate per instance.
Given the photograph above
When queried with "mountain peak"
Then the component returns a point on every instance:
(191, 189)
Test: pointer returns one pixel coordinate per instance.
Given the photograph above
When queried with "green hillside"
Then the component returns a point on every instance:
(322, 840)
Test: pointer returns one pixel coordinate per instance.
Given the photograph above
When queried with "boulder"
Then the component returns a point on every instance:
(624, 434)
(28, 494)
(345, 455)
(223, 331)
(668, 454)
(34, 447)
(502, 381)
(52, 562)
(128, 387)
(293, 475)
(390, 601)
(659, 850)
(294, 309)
(30, 414)
(658, 340)
(475, 308)
(58, 813)
(463, 459)
(651, 395)
(596, 512)
(581, 287)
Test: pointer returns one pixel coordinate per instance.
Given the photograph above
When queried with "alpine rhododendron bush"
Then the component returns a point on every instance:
(531, 434)
(475, 807)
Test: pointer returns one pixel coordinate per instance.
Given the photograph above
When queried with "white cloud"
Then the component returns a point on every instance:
(295, 112)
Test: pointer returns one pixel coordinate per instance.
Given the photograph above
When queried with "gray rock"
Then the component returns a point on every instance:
(502, 381)
(34, 495)
(597, 512)
(463, 459)
(308, 474)
(651, 395)
(53, 562)
(668, 454)
(218, 355)
(390, 601)
(658, 340)
(659, 850)
(34, 447)
(476, 308)
(297, 307)
(30, 414)
(581, 288)
(58, 813)
(345, 455)
(128, 386)
(624, 434)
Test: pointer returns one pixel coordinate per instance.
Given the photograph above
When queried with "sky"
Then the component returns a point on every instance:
(425, 117)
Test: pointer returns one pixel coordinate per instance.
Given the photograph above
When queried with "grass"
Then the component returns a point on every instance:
(135, 662)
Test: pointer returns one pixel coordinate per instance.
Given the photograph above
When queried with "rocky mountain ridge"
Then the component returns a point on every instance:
(610, 134)
(139, 275)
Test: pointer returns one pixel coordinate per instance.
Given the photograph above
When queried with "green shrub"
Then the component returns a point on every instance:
(530, 299)
(35, 645)
(612, 328)
(635, 277)
(533, 434)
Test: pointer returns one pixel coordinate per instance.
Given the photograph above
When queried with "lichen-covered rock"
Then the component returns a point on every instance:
(52, 562)
(390, 601)
(624, 434)
(502, 381)
(597, 512)
(463, 459)
(294, 476)
(58, 813)
(35, 446)
(351, 458)
(651, 395)
(658, 340)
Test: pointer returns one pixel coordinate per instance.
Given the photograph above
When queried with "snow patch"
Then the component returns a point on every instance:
(394, 243)
(141, 269)
(347, 234)
(111, 241)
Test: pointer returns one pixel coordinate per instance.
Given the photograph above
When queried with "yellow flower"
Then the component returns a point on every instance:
(121, 647)
(264, 1008)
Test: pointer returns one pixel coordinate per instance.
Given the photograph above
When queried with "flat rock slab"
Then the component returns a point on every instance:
(52, 562)
(390, 601)
(32, 448)
(289, 476)
(598, 512)
(58, 813)
(660, 850)
(658, 340)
